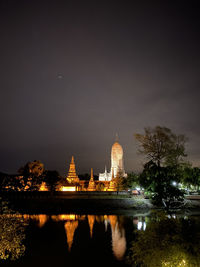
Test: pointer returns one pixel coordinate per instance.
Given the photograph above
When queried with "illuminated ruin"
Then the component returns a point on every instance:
(117, 164)
(72, 176)
(92, 186)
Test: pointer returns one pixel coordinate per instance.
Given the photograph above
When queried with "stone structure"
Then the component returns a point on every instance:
(92, 186)
(72, 176)
(117, 164)
(112, 185)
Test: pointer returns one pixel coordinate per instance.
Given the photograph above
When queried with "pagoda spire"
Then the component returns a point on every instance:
(92, 176)
(92, 186)
(72, 176)
(91, 221)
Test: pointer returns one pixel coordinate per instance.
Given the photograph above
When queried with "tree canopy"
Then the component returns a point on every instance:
(165, 153)
(162, 146)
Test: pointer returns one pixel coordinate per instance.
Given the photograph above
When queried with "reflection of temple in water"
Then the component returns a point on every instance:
(91, 221)
(118, 236)
(71, 223)
(70, 228)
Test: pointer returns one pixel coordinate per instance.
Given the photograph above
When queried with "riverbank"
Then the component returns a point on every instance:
(84, 202)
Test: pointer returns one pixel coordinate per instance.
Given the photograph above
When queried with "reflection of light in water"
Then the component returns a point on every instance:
(64, 217)
(118, 238)
(113, 220)
(42, 220)
(139, 225)
(182, 263)
(91, 221)
(70, 227)
(67, 217)
(106, 225)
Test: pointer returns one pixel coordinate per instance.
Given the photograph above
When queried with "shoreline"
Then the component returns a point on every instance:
(84, 203)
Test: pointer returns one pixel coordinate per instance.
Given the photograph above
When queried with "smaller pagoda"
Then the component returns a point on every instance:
(92, 186)
(112, 186)
(72, 177)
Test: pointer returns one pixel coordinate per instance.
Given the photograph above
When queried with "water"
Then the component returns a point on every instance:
(151, 240)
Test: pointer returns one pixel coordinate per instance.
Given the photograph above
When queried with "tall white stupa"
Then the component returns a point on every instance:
(117, 163)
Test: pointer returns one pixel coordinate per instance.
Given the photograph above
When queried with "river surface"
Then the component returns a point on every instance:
(154, 239)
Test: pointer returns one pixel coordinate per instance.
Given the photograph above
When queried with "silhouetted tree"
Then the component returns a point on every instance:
(161, 183)
(162, 146)
(51, 178)
(132, 180)
(30, 177)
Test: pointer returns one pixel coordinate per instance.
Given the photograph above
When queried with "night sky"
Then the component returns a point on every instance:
(73, 73)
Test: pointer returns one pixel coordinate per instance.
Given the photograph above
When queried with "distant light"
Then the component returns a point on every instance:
(68, 188)
(174, 183)
(43, 187)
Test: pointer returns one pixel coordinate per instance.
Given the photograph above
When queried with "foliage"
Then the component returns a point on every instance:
(132, 180)
(51, 178)
(167, 242)
(12, 234)
(21, 183)
(120, 182)
(34, 168)
(159, 181)
(165, 152)
(191, 177)
(162, 146)
(30, 177)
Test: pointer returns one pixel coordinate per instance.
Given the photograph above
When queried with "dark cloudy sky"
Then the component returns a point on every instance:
(73, 73)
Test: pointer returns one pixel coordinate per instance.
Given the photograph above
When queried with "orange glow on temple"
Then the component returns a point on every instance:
(68, 188)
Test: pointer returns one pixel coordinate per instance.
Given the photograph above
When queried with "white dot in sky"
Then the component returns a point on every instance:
(60, 76)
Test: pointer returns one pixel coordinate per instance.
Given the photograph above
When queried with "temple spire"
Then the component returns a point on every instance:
(92, 185)
(105, 169)
(116, 138)
(92, 176)
(72, 176)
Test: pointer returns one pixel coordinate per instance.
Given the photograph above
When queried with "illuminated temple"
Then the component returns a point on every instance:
(72, 177)
(92, 185)
(72, 181)
(117, 164)
(106, 181)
